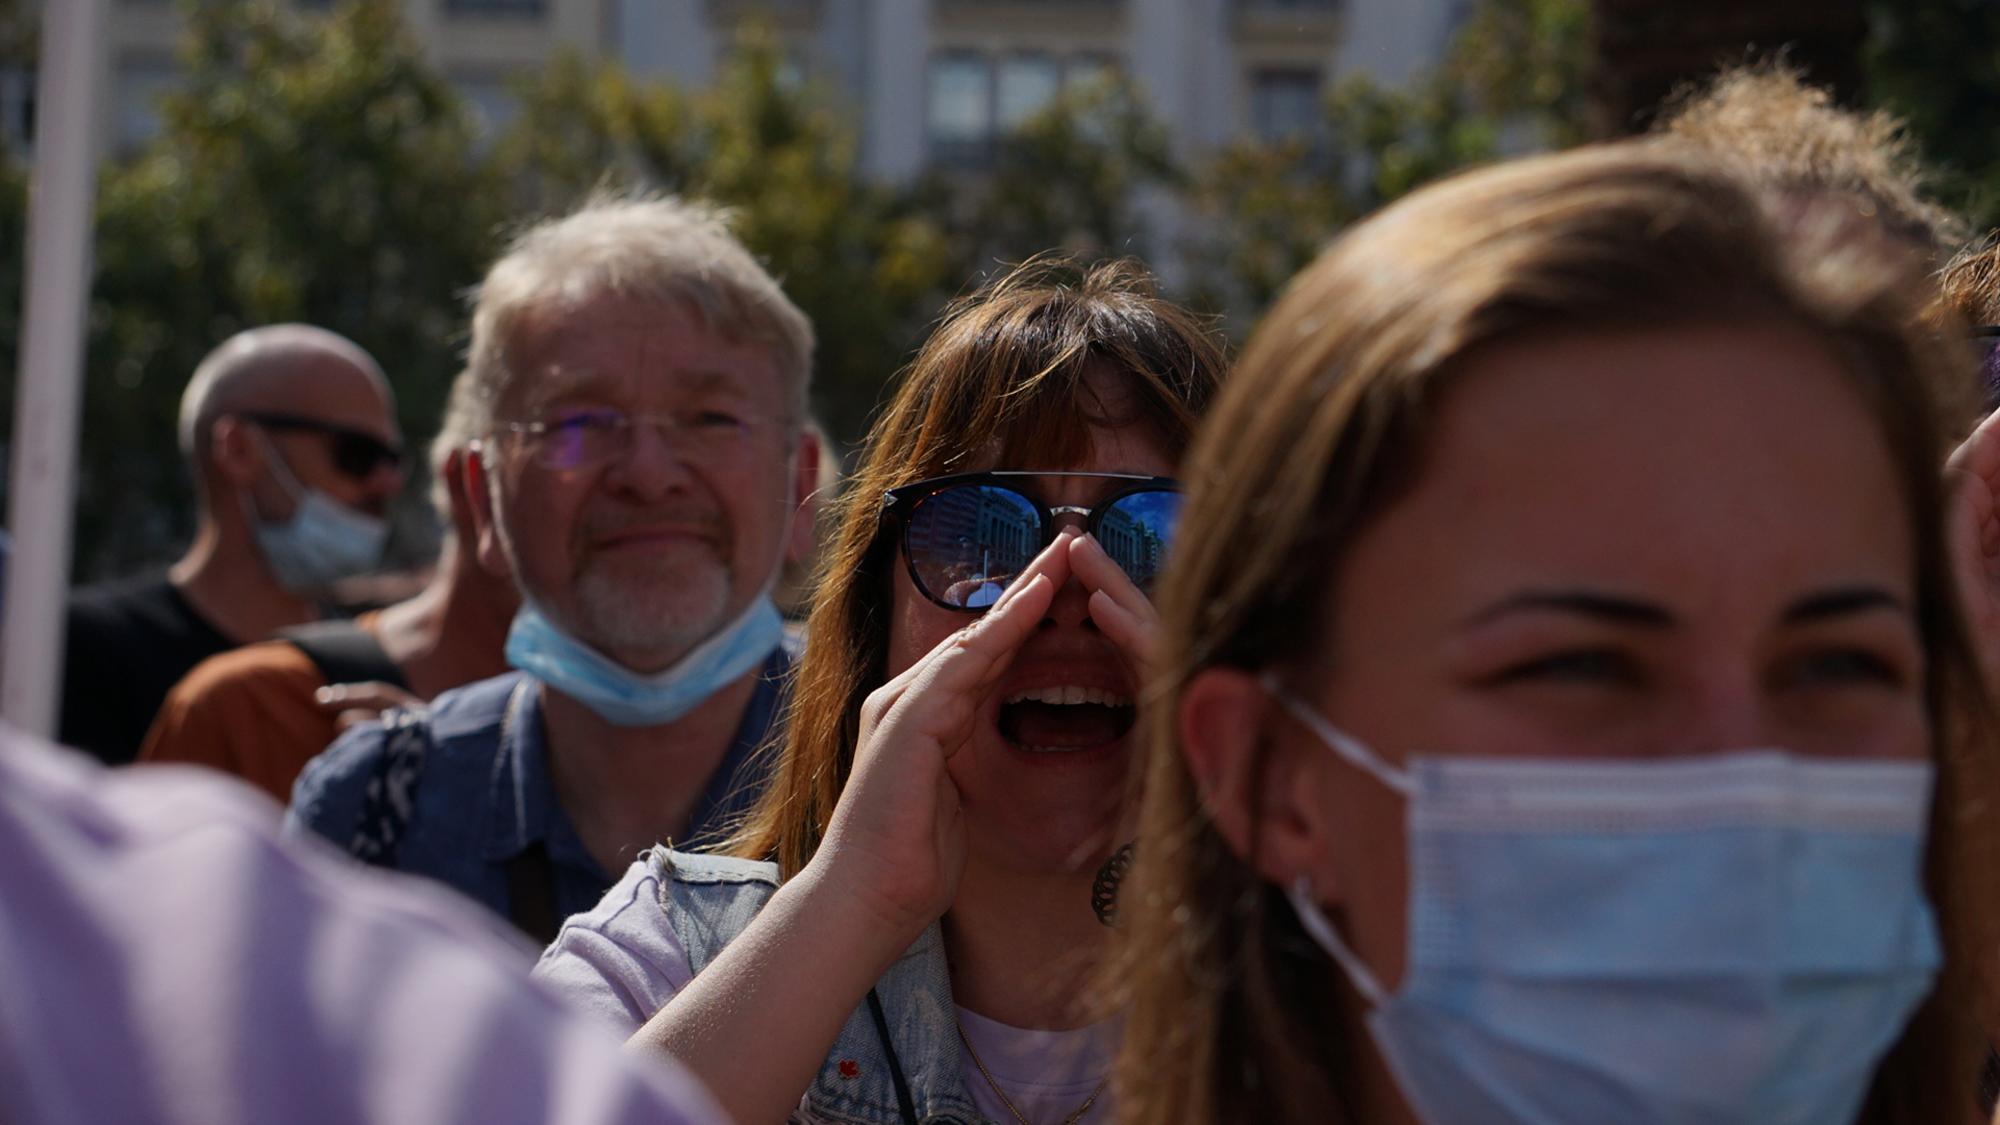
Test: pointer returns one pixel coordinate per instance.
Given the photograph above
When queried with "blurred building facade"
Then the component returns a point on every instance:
(930, 81)
(938, 81)
(481, 45)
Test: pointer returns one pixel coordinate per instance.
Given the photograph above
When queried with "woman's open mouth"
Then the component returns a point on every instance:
(1065, 719)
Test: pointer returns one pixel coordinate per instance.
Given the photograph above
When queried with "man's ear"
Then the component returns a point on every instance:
(458, 494)
(806, 483)
(234, 452)
(1258, 780)
(474, 486)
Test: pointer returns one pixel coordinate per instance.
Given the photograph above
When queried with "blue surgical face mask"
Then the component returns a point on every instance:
(323, 541)
(626, 698)
(1726, 938)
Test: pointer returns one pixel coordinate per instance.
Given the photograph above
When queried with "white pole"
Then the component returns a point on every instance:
(49, 383)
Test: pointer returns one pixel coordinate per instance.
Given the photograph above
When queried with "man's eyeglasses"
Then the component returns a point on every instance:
(356, 453)
(587, 437)
(966, 537)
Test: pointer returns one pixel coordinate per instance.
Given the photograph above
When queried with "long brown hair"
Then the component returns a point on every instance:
(1320, 427)
(1005, 371)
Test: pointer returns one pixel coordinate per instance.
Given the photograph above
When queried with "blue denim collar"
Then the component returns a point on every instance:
(521, 797)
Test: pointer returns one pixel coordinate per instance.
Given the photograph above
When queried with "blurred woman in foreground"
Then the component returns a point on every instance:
(1564, 714)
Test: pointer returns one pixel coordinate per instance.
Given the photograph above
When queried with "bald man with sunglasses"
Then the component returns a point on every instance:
(290, 434)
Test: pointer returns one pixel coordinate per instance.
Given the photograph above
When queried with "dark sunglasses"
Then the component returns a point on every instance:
(356, 453)
(966, 537)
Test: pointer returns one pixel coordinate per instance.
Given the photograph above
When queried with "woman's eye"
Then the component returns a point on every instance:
(1587, 666)
(1843, 666)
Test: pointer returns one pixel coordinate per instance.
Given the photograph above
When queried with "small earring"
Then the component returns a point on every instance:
(1104, 888)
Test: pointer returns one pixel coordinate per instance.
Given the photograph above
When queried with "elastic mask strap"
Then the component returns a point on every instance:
(1321, 928)
(287, 480)
(1352, 750)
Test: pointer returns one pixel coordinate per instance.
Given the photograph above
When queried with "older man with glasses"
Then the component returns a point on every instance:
(290, 432)
(639, 391)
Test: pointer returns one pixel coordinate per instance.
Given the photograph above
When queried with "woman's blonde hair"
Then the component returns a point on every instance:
(1004, 375)
(1323, 423)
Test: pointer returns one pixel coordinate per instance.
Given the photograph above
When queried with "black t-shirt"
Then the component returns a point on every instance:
(129, 643)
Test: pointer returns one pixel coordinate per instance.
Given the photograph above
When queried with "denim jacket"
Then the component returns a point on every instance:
(710, 899)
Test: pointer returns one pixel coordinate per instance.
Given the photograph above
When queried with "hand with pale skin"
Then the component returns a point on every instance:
(1972, 476)
(895, 840)
(890, 863)
(360, 703)
(1121, 610)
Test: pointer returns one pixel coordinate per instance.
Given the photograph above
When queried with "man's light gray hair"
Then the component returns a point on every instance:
(250, 370)
(658, 249)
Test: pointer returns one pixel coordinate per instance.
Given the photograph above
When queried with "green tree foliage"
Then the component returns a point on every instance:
(1075, 176)
(1936, 63)
(1511, 81)
(584, 125)
(862, 261)
(307, 169)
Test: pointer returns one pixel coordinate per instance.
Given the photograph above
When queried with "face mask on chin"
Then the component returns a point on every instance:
(1733, 937)
(622, 697)
(322, 542)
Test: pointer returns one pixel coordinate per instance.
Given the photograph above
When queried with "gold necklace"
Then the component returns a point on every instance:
(1075, 1116)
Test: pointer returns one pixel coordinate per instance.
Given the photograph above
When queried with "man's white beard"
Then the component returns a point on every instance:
(654, 619)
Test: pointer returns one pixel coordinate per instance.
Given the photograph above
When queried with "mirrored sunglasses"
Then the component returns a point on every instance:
(967, 537)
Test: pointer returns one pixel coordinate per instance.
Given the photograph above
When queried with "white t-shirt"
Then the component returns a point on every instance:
(624, 962)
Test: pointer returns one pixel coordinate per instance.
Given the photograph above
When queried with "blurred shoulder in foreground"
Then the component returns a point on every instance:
(166, 958)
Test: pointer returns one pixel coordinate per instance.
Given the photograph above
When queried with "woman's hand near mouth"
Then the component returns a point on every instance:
(895, 842)
(889, 866)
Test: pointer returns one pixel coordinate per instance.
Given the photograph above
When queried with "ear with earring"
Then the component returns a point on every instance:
(1104, 888)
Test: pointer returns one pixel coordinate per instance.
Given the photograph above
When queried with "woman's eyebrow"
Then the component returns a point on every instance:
(1613, 608)
(1841, 602)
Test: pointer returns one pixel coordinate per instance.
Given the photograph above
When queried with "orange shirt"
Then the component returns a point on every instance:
(249, 712)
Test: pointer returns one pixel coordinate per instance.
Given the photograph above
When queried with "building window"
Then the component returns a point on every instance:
(492, 103)
(960, 113)
(1084, 71)
(140, 87)
(973, 101)
(1284, 104)
(508, 8)
(1027, 85)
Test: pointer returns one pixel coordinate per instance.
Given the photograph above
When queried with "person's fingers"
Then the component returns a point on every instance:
(1095, 567)
(1125, 629)
(880, 702)
(354, 717)
(1120, 609)
(1053, 561)
(1978, 456)
(952, 686)
(371, 696)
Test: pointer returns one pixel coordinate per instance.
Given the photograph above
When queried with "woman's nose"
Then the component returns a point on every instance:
(1725, 709)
